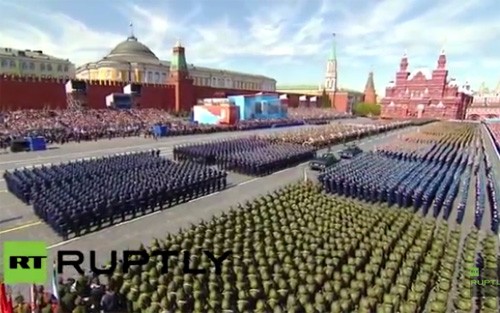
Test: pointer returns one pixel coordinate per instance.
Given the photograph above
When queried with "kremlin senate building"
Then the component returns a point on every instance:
(132, 61)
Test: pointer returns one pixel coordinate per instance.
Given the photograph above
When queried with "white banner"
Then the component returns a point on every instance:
(303, 98)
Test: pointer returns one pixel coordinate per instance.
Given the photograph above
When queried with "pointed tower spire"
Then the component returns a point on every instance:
(370, 94)
(370, 85)
(403, 65)
(331, 68)
(178, 62)
(333, 52)
(442, 60)
(180, 79)
(442, 56)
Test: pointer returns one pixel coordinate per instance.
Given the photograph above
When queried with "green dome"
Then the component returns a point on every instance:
(132, 50)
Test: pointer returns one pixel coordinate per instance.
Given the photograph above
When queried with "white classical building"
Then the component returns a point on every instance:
(34, 63)
(133, 61)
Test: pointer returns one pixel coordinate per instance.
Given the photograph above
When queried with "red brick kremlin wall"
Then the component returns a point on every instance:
(35, 93)
(31, 93)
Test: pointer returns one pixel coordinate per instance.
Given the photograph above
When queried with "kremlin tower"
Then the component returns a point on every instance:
(341, 100)
(331, 70)
(180, 79)
(370, 94)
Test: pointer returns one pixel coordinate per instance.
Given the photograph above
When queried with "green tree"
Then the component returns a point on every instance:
(325, 100)
(366, 109)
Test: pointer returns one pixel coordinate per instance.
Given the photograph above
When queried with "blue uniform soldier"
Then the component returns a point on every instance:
(79, 197)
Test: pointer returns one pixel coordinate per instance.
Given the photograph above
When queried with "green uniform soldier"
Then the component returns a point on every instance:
(21, 306)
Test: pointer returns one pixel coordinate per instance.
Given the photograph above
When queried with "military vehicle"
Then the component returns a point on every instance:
(322, 162)
(350, 151)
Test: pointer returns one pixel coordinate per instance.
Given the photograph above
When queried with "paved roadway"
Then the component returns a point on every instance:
(141, 230)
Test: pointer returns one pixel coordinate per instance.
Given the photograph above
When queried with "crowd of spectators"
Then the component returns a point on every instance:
(86, 294)
(61, 126)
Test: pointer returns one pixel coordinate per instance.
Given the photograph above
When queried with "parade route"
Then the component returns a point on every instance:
(14, 213)
(141, 230)
(131, 233)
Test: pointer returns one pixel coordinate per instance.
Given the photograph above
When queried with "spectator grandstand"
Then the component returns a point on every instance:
(61, 126)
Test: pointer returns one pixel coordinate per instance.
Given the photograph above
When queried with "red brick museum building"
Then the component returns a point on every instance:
(425, 93)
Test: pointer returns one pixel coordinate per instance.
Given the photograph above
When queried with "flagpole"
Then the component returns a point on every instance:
(33, 298)
(131, 25)
(55, 287)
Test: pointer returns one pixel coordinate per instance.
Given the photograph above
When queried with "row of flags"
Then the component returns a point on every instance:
(5, 300)
(7, 305)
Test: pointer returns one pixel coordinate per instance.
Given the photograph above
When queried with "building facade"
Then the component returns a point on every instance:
(487, 97)
(132, 61)
(34, 63)
(425, 93)
(486, 104)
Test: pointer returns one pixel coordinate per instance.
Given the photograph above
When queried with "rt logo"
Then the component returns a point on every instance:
(25, 262)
